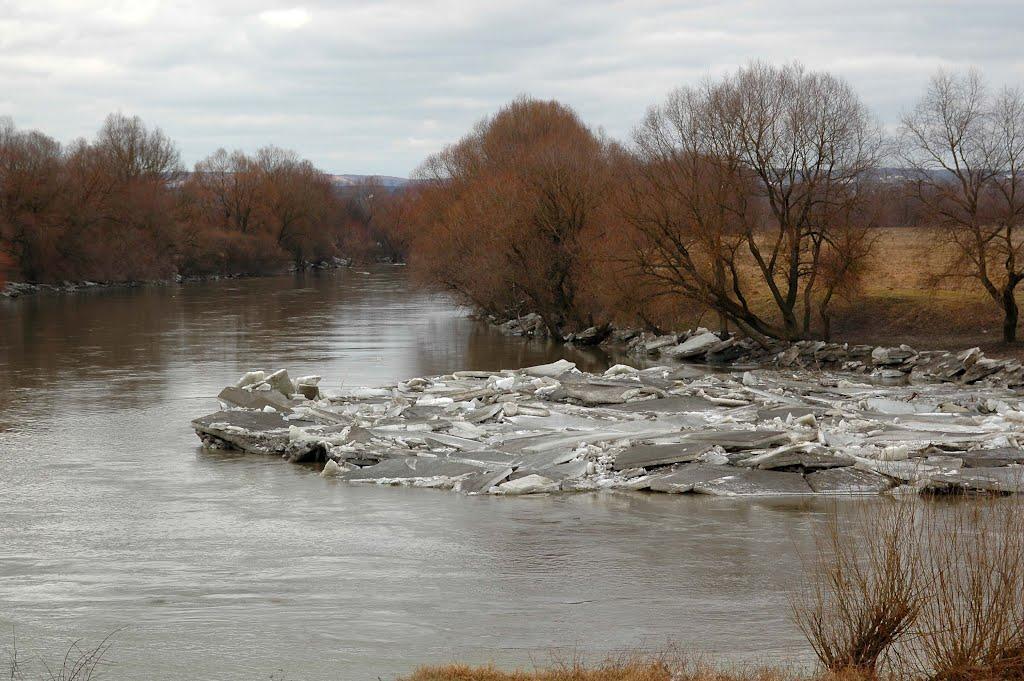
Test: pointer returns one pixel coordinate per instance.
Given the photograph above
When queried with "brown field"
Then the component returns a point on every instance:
(902, 303)
(901, 300)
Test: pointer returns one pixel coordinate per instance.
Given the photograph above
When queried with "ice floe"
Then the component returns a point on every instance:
(552, 428)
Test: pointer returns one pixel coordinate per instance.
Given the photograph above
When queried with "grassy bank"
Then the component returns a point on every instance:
(659, 669)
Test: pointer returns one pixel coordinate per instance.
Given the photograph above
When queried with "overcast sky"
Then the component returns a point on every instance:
(374, 86)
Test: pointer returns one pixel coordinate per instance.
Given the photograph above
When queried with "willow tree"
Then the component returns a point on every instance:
(966, 145)
(31, 191)
(510, 216)
(748, 195)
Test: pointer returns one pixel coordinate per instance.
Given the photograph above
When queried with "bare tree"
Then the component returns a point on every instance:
(134, 151)
(745, 185)
(31, 173)
(967, 148)
(298, 198)
(231, 184)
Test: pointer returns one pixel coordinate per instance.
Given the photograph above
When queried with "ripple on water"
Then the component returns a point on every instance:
(219, 565)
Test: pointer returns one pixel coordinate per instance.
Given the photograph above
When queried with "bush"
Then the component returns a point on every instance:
(866, 588)
(934, 590)
(222, 252)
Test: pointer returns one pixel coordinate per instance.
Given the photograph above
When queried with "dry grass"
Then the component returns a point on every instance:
(865, 593)
(900, 301)
(78, 663)
(972, 623)
(653, 671)
(638, 669)
(930, 591)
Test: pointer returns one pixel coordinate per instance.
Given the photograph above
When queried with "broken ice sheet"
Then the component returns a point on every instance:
(745, 433)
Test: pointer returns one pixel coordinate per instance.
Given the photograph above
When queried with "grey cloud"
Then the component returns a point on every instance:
(375, 86)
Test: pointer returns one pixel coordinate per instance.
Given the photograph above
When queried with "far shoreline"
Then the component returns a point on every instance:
(19, 289)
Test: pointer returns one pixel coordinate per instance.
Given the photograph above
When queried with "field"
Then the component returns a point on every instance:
(902, 303)
(902, 299)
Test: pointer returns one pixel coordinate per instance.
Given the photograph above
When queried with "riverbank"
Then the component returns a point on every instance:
(884, 363)
(17, 289)
(656, 669)
(903, 300)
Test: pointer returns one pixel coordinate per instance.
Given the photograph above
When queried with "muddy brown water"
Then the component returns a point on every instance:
(211, 565)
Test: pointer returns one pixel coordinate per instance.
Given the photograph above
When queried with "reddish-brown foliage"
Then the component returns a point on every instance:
(513, 216)
(120, 208)
(375, 219)
(5, 268)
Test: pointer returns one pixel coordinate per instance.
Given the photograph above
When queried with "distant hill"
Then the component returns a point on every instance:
(389, 181)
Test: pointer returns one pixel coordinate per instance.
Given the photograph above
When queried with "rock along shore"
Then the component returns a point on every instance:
(768, 431)
(16, 289)
(701, 345)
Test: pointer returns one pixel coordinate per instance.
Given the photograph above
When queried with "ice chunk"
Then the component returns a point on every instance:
(621, 370)
(755, 483)
(331, 469)
(530, 484)
(505, 383)
(693, 347)
(848, 481)
(368, 393)
(550, 370)
(479, 483)
(645, 456)
(683, 479)
(258, 399)
(251, 378)
(280, 382)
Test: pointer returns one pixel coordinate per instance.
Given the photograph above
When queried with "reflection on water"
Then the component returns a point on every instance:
(224, 566)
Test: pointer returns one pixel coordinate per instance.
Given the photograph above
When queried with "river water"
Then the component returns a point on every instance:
(212, 565)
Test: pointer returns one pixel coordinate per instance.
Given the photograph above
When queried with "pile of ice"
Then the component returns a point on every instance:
(552, 428)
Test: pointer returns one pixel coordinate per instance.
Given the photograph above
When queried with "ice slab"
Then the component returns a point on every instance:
(258, 432)
(645, 456)
(412, 468)
(848, 480)
(787, 411)
(552, 370)
(683, 479)
(992, 458)
(1000, 479)
(803, 459)
(255, 399)
(755, 483)
(531, 484)
(480, 483)
(675, 403)
(740, 439)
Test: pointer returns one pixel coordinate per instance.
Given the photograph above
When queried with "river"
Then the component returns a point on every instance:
(212, 565)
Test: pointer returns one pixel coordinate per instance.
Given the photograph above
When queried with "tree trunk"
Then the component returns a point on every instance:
(1011, 313)
(826, 326)
(791, 325)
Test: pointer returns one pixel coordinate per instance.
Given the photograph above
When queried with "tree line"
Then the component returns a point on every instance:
(120, 207)
(754, 195)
